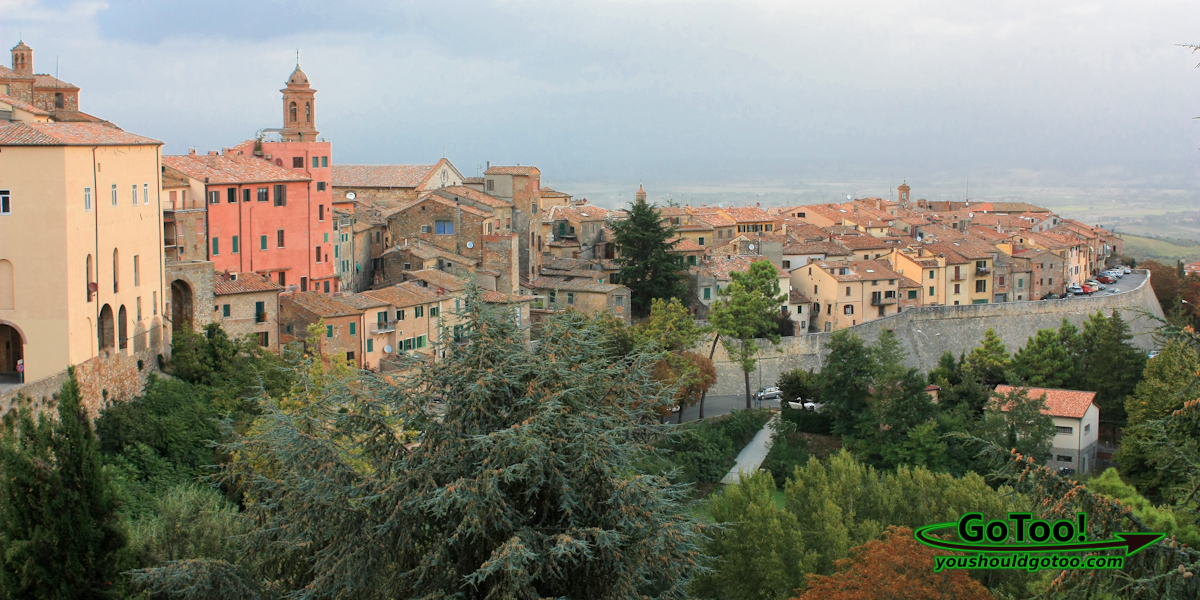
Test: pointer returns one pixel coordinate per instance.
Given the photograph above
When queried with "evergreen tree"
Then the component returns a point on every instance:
(846, 381)
(947, 372)
(987, 362)
(495, 472)
(60, 536)
(1043, 362)
(760, 553)
(645, 263)
(746, 312)
(1014, 420)
(799, 383)
(1112, 366)
(1075, 345)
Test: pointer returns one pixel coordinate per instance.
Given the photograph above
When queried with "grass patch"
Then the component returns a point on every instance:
(1143, 248)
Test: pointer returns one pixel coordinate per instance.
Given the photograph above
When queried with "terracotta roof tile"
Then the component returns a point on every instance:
(361, 301)
(684, 245)
(748, 214)
(319, 304)
(473, 195)
(859, 270)
(41, 80)
(574, 285)
(25, 106)
(380, 176)
(230, 169)
(70, 134)
(495, 297)
(404, 294)
(512, 171)
(1059, 403)
(246, 283)
(437, 278)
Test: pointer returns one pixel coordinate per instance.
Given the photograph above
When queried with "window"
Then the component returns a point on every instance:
(216, 249)
(847, 290)
(1020, 282)
(931, 294)
(264, 339)
(337, 252)
(1001, 281)
(316, 162)
(321, 215)
(700, 242)
(263, 194)
(213, 198)
(981, 286)
(912, 294)
(352, 329)
(787, 264)
(931, 273)
(981, 265)
(418, 311)
(848, 309)
(114, 194)
(134, 194)
(329, 331)
(349, 356)
(1051, 281)
(297, 162)
(320, 186)
(553, 296)
(324, 161)
(1064, 430)
(326, 287)
(1062, 458)
(233, 246)
(154, 303)
(6, 202)
(620, 300)
(1087, 428)
(304, 284)
(280, 195)
(491, 185)
(87, 199)
(957, 288)
(58, 100)
(570, 297)
(400, 314)
(433, 311)
(138, 305)
(508, 224)
(260, 312)
(370, 342)
(224, 310)
(246, 195)
(708, 293)
(231, 195)
(444, 227)
(420, 341)
(137, 270)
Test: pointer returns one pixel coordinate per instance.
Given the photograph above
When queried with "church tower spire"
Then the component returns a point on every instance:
(299, 108)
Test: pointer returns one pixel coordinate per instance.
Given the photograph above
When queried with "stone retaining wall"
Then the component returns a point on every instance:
(927, 332)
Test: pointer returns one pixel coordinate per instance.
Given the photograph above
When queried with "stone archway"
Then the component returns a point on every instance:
(106, 328)
(12, 350)
(181, 305)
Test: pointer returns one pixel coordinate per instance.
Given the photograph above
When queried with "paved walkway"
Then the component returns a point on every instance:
(753, 454)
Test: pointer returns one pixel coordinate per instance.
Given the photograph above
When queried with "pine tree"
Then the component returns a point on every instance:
(1043, 362)
(948, 371)
(846, 381)
(1014, 420)
(746, 312)
(988, 361)
(497, 471)
(60, 536)
(1111, 365)
(645, 263)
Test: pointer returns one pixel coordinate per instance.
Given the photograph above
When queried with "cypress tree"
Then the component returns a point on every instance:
(988, 361)
(645, 263)
(59, 531)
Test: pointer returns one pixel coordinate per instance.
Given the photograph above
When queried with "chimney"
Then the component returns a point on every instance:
(191, 151)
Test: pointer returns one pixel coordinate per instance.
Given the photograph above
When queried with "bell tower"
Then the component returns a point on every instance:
(903, 189)
(299, 108)
(22, 60)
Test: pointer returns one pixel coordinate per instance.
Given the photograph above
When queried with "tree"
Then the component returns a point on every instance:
(895, 567)
(745, 312)
(690, 374)
(1167, 286)
(988, 361)
(846, 381)
(671, 326)
(948, 371)
(498, 471)
(187, 522)
(1112, 366)
(645, 263)
(799, 384)
(60, 536)
(1073, 342)
(760, 552)
(1043, 362)
(1014, 420)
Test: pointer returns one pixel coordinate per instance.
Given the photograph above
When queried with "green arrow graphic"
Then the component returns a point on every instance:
(1131, 542)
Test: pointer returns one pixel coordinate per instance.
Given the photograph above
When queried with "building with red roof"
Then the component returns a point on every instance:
(1076, 423)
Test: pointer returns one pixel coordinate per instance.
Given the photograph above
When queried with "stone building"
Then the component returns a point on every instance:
(420, 255)
(1076, 423)
(37, 94)
(1047, 272)
(341, 324)
(247, 305)
(521, 186)
(583, 295)
(392, 185)
(406, 321)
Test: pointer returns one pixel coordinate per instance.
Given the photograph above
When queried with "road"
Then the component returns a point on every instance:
(715, 406)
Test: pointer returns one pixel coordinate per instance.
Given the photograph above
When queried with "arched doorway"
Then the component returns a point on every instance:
(106, 331)
(181, 305)
(122, 328)
(12, 350)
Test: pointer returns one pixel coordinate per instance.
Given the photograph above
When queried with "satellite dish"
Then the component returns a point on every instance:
(470, 244)
(387, 349)
(751, 246)
(849, 197)
(350, 195)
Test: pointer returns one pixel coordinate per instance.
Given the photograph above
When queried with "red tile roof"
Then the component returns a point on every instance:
(1059, 403)
(44, 81)
(21, 104)
(437, 278)
(404, 294)
(218, 169)
(748, 214)
(382, 176)
(319, 304)
(246, 283)
(502, 298)
(512, 171)
(684, 245)
(69, 134)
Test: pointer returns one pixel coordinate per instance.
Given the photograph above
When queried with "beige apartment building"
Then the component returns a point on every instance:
(848, 293)
(81, 254)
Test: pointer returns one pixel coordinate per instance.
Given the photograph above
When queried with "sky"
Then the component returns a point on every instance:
(672, 93)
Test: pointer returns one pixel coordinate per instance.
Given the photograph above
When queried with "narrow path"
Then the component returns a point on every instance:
(753, 454)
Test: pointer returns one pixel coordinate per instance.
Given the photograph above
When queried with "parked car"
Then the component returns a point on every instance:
(771, 393)
(1074, 289)
(1154, 353)
(1095, 284)
(1089, 288)
(1106, 279)
(1127, 270)
(1113, 291)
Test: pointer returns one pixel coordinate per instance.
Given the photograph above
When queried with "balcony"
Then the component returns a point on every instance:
(879, 300)
(169, 242)
(381, 327)
(981, 271)
(957, 277)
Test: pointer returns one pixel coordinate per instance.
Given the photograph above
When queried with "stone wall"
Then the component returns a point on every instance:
(927, 332)
(111, 377)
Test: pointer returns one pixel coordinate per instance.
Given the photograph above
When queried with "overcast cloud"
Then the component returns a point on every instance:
(614, 90)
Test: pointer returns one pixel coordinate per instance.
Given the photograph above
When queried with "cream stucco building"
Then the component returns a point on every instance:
(81, 253)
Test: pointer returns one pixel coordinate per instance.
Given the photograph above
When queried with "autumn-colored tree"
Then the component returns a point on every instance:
(693, 373)
(896, 567)
(1167, 285)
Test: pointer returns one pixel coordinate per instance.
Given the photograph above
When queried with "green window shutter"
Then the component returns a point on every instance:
(225, 310)
(352, 329)
(370, 345)
(234, 249)
(316, 164)
(420, 341)
(329, 331)
(433, 311)
(216, 246)
(262, 242)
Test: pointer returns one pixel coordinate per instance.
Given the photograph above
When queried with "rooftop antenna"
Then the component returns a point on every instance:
(297, 58)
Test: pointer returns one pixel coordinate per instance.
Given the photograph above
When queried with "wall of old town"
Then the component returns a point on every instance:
(928, 332)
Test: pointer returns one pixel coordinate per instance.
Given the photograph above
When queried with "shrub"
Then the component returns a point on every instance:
(789, 450)
(808, 421)
(705, 451)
